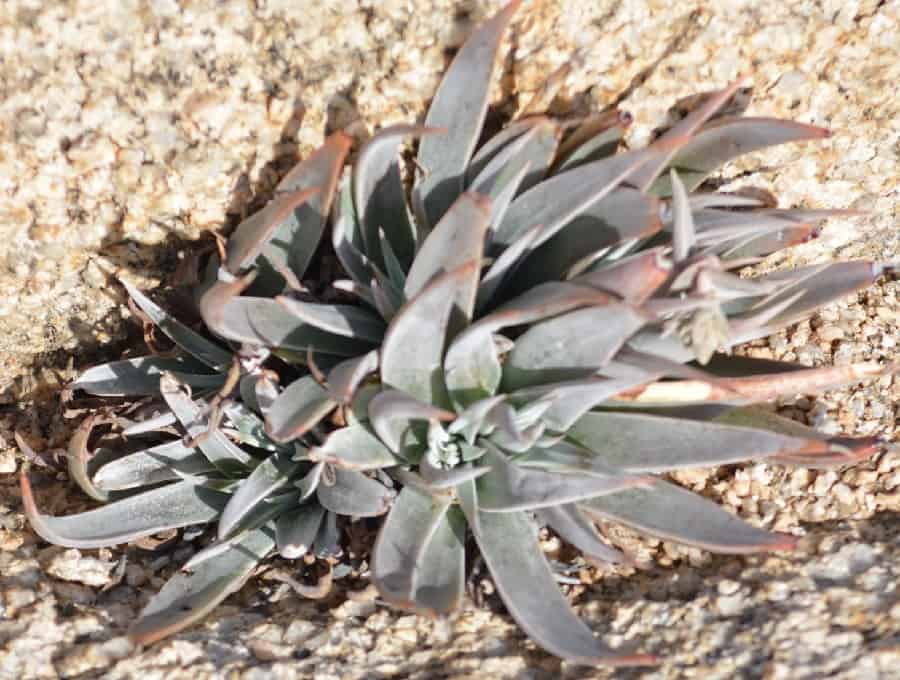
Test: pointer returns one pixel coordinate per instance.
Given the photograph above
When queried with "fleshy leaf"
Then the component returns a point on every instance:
(621, 217)
(297, 236)
(584, 186)
(568, 401)
(262, 321)
(680, 134)
(633, 278)
(751, 388)
(413, 348)
(161, 463)
(327, 543)
(379, 196)
(534, 149)
(296, 530)
(569, 522)
(269, 476)
(571, 346)
(638, 442)
(459, 106)
(193, 343)
(253, 234)
(595, 139)
(674, 514)
(139, 376)
(169, 507)
(472, 366)
(189, 596)
(510, 487)
(508, 543)
(727, 138)
(684, 235)
(354, 448)
(390, 412)
(267, 322)
(345, 378)
(821, 286)
(347, 238)
(457, 239)
(398, 558)
(354, 494)
(301, 406)
(440, 579)
(345, 320)
(220, 450)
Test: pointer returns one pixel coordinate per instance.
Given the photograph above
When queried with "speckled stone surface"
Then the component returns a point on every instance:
(130, 128)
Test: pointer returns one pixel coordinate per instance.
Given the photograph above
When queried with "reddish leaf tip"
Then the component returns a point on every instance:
(785, 542)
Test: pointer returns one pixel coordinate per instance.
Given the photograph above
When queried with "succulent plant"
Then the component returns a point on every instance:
(536, 342)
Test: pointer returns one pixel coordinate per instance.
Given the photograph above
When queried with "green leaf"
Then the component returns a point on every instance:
(674, 514)
(510, 487)
(622, 216)
(457, 240)
(574, 528)
(189, 596)
(252, 235)
(508, 543)
(634, 278)
(221, 451)
(140, 376)
(725, 139)
(296, 530)
(413, 348)
(379, 195)
(272, 474)
(169, 507)
(354, 494)
(391, 413)
(345, 320)
(571, 346)
(345, 378)
(193, 343)
(459, 106)
(418, 560)
(297, 409)
(353, 448)
(161, 463)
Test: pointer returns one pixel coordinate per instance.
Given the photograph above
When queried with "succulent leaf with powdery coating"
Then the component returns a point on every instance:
(609, 282)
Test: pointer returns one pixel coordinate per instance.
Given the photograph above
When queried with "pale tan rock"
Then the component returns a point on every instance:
(129, 127)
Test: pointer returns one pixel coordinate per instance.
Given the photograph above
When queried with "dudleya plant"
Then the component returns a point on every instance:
(536, 342)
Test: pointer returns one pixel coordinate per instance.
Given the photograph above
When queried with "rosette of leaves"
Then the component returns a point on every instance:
(534, 340)
(532, 206)
(551, 429)
(192, 454)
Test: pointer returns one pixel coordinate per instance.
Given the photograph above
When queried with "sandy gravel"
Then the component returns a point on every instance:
(130, 128)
